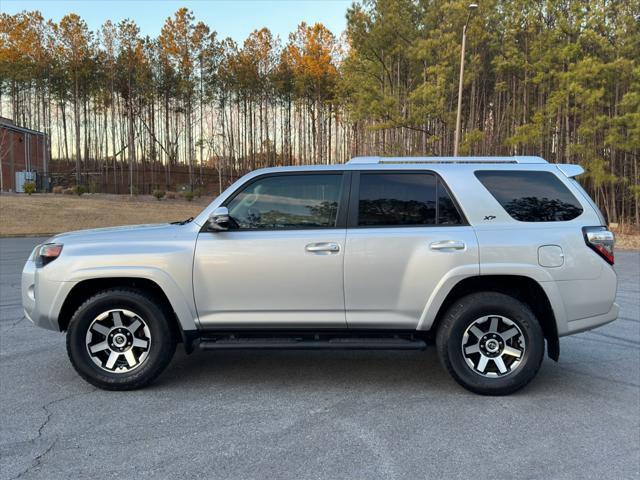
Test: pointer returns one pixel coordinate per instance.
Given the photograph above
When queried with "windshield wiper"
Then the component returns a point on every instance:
(182, 222)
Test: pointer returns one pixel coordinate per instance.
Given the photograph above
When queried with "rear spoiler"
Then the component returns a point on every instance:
(570, 170)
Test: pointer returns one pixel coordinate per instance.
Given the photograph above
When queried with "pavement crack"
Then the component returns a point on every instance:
(615, 337)
(7, 305)
(17, 322)
(35, 463)
(628, 319)
(37, 460)
(605, 342)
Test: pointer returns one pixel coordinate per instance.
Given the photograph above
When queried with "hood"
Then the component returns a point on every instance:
(123, 233)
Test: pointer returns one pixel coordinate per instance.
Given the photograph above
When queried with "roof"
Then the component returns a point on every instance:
(9, 125)
(410, 160)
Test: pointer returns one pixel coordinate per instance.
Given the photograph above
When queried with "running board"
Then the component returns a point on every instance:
(298, 343)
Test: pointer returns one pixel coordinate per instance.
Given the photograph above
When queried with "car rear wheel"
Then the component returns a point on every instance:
(119, 339)
(491, 343)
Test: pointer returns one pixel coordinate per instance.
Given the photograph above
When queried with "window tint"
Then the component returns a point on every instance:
(531, 196)
(601, 216)
(397, 199)
(288, 201)
(447, 212)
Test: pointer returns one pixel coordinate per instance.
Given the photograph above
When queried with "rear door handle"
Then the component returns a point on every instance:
(323, 247)
(447, 245)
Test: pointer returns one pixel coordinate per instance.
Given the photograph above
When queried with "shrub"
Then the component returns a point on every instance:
(188, 196)
(79, 190)
(68, 191)
(159, 194)
(170, 195)
(29, 188)
(198, 192)
(58, 189)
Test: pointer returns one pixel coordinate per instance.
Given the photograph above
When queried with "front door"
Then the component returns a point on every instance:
(281, 262)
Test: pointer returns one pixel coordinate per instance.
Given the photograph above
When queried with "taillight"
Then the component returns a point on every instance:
(47, 253)
(601, 241)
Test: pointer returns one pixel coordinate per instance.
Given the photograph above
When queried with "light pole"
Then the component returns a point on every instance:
(456, 140)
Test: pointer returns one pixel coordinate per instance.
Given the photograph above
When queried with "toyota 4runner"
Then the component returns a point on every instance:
(491, 258)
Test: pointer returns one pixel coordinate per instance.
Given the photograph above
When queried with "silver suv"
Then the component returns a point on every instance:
(487, 257)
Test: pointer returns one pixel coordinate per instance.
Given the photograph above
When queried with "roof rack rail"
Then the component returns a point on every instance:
(410, 160)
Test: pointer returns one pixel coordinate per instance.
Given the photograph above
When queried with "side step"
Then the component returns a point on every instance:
(301, 343)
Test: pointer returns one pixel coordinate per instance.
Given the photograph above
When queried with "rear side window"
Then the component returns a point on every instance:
(404, 199)
(531, 196)
(603, 219)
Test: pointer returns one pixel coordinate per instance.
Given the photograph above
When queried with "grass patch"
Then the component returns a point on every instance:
(42, 214)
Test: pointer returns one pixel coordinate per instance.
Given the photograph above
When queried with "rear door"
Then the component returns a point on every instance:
(406, 235)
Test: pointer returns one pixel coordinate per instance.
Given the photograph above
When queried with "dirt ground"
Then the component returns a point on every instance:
(44, 214)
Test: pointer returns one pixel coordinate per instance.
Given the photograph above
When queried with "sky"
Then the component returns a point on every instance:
(232, 18)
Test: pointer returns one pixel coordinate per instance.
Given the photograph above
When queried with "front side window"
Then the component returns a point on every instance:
(397, 199)
(530, 196)
(288, 202)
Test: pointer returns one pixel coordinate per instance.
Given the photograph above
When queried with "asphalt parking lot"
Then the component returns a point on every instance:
(291, 415)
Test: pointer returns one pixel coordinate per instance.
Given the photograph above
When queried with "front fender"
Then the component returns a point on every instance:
(183, 306)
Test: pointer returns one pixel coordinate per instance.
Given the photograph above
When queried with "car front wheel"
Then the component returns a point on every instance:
(119, 339)
(491, 343)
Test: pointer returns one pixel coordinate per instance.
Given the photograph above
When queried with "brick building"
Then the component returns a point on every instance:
(21, 149)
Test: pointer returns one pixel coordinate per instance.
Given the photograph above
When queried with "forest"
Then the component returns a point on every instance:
(559, 79)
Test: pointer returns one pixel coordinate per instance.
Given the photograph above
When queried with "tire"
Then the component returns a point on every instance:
(125, 324)
(496, 326)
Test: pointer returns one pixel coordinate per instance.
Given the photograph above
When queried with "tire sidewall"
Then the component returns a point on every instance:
(464, 314)
(162, 341)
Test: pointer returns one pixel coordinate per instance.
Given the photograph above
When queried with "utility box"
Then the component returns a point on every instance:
(22, 178)
(43, 183)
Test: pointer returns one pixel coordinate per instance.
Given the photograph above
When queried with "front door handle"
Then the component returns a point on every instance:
(323, 247)
(448, 245)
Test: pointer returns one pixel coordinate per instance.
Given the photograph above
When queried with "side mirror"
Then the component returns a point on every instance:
(219, 219)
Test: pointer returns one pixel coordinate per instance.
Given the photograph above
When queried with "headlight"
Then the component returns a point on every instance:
(47, 253)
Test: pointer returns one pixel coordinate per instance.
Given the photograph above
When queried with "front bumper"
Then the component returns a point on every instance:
(42, 297)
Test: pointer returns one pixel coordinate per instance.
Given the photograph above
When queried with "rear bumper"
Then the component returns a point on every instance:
(583, 324)
(585, 303)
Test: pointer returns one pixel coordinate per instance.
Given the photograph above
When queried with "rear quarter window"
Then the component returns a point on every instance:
(530, 196)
